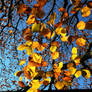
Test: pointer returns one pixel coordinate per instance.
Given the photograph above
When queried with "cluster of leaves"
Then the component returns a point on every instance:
(43, 55)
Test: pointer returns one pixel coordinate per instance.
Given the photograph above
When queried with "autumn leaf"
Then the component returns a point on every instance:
(81, 25)
(88, 74)
(78, 74)
(21, 47)
(59, 85)
(28, 43)
(53, 48)
(20, 78)
(35, 27)
(52, 18)
(60, 65)
(23, 61)
(89, 25)
(35, 85)
(55, 55)
(67, 79)
(18, 73)
(31, 19)
(74, 50)
(44, 63)
(40, 47)
(85, 11)
(72, 70)
(21, 8)
(89, 4)
(37, 57)
(29, 50)
(81, 42)
(55, 43)
(58, 30)
(21, 84)
(74, 56)
(64, 38)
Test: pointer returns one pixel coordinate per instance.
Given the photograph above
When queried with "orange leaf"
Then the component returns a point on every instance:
(81, 42)
(21, 84)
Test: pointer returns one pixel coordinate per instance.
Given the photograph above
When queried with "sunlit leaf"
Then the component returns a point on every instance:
(88, 74)
(40, 47)
(81, 25)
(59, 85)
(74, 50)
(37, 57)
(53, 48)
(44, 63)
(60, 65)
(58, 30)
(21, 47)
(85, 11)
(74, 56)
(30, 20)
(72, 70)
(35, 27)
(35, 44)
(20, 78)
(55, 55)
(64, 38)
(81, 42)
(77, 74)
(23, 61)
(28, 43)
(29, 50)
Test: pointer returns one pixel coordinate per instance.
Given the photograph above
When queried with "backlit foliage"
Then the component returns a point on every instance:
(54, 45)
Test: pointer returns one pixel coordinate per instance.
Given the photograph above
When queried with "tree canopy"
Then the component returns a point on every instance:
(50, 41)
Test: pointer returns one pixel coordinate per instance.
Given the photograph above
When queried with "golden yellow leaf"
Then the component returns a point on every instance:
(37, 57)
(53, 34)
(85, 11)
(23, 61)
(58, 30)
(74, 50)
(30, 20)
(81, 25)
(88, 74)
(29, 50)
(63, 32)
(72, 70)
(20, 78)
(59, 85)
(21, 47)
(43, 26)
(40, 47)
(53, 48)
(35, 27)
(77, 74)
(35, 84)
(81, 42)
(74, 56)
(64, 38)
(28, 43)
(55, 55)
(60, 65)
(77, 60)
(35, 44)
